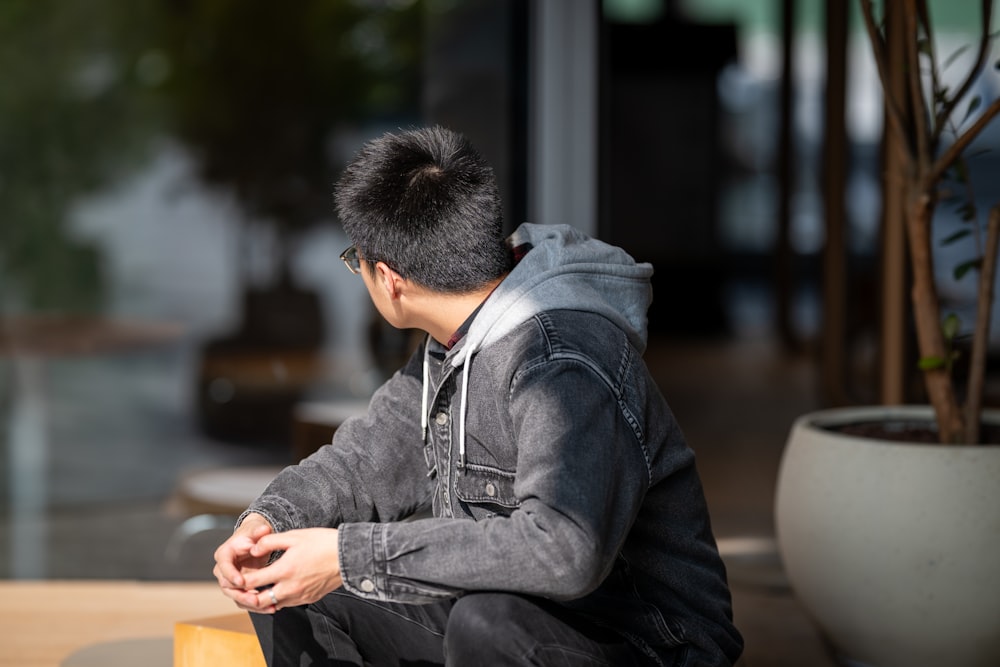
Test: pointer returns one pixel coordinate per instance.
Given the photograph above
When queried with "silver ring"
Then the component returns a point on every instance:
(274, 600)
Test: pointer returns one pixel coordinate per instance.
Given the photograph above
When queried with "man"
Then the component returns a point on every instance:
(569, 525)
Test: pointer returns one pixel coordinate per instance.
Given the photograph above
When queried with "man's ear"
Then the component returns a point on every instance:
(388, 280)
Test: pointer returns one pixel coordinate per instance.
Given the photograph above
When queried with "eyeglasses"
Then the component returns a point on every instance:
(351, 260)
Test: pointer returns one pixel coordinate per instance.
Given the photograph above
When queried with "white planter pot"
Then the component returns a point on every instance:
(893, 549)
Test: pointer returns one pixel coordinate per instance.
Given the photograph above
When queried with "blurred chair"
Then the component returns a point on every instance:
(314, 423)
(213, 499)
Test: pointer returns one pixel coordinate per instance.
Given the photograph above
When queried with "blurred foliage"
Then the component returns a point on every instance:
(74, 113)
(257, 90)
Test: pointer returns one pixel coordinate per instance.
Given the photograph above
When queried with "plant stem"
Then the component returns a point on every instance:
(927, 317)
(985, 42)
(917, 102)
(954, 150)
(880, 52)
(980, 339)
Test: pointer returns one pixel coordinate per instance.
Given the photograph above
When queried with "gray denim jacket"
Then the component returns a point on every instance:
(551, 461)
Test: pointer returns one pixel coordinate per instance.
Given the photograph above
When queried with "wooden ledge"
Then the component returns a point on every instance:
(45, 622)
(220, 640)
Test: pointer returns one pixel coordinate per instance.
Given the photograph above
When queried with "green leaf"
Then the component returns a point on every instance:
(967, 211)
(974, 104)
(950, 326)
(960, 234)
(961, 172)
(930, 363)
(965, 267)
(951, 59)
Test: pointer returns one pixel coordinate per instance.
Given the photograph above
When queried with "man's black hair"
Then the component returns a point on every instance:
(426, 203)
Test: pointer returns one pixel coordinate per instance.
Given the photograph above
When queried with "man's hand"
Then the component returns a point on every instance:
(234, 560)
(307, 571)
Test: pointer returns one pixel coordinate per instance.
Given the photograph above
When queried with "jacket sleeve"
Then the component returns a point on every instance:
(373, 470)
(581, 477)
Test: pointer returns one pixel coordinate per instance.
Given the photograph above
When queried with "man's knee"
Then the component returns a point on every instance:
(483, 624)
(477, 615)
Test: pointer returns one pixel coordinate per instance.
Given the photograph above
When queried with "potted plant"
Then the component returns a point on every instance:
(891, 545)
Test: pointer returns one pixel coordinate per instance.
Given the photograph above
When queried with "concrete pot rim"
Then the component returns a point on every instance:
(818, 420)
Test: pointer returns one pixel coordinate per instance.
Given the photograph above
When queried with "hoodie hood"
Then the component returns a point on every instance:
(562, 269)
(565, 269)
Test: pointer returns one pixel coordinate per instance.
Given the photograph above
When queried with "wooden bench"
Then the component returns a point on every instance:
(219, 641)
(89, 623)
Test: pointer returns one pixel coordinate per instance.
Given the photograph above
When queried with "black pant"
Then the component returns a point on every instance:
(489, 629)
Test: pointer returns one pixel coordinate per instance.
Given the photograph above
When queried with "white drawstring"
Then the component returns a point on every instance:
(424, 397)
(462, 409)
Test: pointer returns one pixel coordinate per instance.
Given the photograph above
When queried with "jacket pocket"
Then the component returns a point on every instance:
(486, 491)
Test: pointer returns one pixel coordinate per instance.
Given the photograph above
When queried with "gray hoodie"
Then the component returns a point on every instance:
(566, 269)
(552, 465)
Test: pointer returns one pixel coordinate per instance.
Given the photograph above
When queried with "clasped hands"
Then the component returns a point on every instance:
(308, 569)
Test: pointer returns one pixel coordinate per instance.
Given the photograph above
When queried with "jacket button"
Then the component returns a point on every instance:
(441, 418)
(491, 489)
(367, 585)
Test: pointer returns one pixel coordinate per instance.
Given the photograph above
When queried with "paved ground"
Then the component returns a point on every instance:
(736, 401)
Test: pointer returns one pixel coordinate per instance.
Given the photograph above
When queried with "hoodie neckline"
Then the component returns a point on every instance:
(518, 252)
(464, 327)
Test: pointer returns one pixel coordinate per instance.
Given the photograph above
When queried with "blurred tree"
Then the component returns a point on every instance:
(255, 89)
(77, 107)
(260, 93)
(259, 88)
